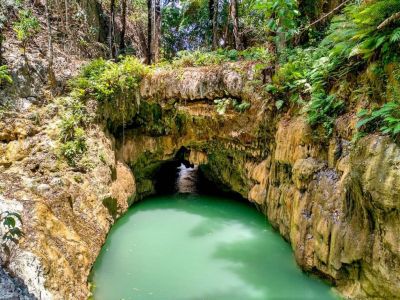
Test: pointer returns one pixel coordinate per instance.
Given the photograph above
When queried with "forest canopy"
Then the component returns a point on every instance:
(304, 48)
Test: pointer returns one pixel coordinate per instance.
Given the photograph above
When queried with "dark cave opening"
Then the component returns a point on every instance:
(167, 178)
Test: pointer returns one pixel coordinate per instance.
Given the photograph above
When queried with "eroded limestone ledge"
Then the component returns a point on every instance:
(337, 203)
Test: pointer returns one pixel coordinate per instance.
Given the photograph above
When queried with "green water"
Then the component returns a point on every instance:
(199, 247)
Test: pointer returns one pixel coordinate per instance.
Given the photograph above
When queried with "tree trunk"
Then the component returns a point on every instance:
(1, 46)
(149, 30)
(235, 20)
(51, 76)
(66, 15)
(154, 30)
(226, 28)
(214, 6)
(112, 29)
(157, 31)
(123, 21)
(66, 23)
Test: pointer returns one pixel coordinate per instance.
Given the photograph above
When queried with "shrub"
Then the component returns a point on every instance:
(107, 80)
(5, 75)
(364, 34)
(26, 27)
(200, 58)
(323, 110)
(72, 134)
(114, 85)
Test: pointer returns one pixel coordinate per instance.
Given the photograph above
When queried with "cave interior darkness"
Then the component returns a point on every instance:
(166, 176)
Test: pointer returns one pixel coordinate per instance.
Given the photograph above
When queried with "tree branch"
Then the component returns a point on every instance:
(389, 20)
(326, 15)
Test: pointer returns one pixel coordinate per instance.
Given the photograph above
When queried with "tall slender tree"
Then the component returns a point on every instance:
(50, 54)
(111, 33)
(154, 30)
(235, 21)
(149, 30)
(122, 45)
(157, 31)
(213, 11)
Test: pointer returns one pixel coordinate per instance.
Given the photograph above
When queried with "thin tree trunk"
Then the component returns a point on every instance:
(157, 31)
(154, 30)
(123, 17)
(112, 29)
(226, 29)
(235, 20)
(149, 30)
(52, 78)
(1, 46)
(66, 16)
(211, 7)
(214, 6)
(66, 23)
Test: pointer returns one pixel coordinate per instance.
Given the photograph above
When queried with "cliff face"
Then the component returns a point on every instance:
(335, 201)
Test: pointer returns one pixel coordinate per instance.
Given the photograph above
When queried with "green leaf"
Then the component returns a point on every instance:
(9, 221)
(279, 104)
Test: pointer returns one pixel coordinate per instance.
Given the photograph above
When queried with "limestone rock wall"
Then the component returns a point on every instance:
(335, 201)
(64, 217)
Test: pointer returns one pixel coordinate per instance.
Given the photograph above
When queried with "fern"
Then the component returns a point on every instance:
(395, 37)
(323, 110)
(385, 119)
(357, 33)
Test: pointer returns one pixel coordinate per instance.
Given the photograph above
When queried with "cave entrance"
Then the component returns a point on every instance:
(178, 175)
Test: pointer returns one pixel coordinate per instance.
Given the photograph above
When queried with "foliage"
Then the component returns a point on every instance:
(323, 110)
(185, 26)
(74, 118)
(106, 80)
(355, 39)
(261, 18)
(240, 106)
(73, 149)
(12, 233)
(283, 17)
(386, 119)
(221, 105)
(26, 27)
(200, 58)
(5, 75)
(356, 33)
(114, 85)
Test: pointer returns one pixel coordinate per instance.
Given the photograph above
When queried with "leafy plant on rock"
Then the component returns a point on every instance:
(385, 119)
(5, 75)
(11, 233)
(26, 27)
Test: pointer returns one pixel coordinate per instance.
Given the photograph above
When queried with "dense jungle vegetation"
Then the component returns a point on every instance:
(318, 58)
